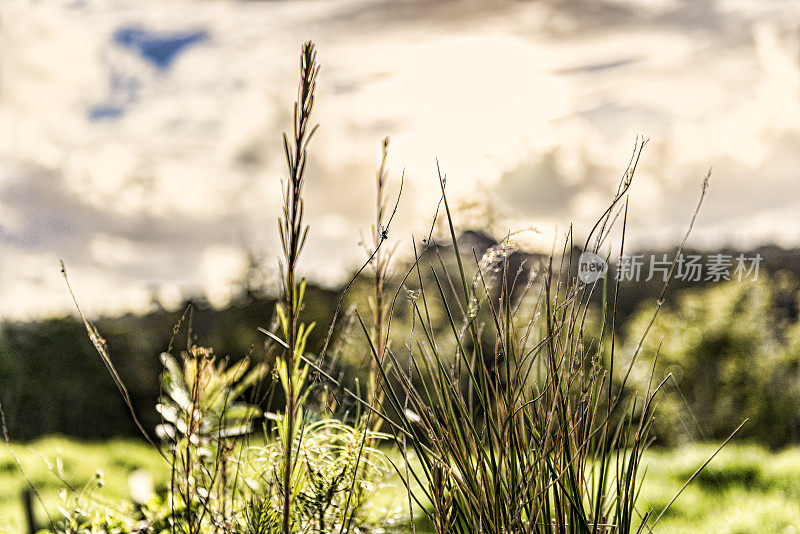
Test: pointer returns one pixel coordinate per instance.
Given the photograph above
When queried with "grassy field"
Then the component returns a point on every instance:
(49, 460)
(745, 489)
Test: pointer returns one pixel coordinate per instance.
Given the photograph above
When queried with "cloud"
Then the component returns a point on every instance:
(536, 103)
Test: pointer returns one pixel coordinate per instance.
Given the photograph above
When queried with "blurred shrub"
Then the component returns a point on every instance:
(53, 382)
(732, 349)
(729, 358)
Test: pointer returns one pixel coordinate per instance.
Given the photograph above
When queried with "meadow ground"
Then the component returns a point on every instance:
(745, 489)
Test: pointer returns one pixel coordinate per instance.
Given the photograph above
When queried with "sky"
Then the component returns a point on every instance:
(140, 140)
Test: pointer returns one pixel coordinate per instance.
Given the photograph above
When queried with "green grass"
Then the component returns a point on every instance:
(745, 489)
(79, 462)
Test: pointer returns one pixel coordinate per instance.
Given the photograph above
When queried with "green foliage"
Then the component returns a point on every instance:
(725, 359)
(64, 470)
(202, 414)
(40, 365)
(201, 397)
(336, 473)
(80, 513)
(218, 484)
(57, 352)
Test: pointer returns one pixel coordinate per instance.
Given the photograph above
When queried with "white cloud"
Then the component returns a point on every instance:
(166, 196)
(221, 267)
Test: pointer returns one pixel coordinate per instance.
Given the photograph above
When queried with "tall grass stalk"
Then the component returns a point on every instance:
(380, 258)
(293, 233)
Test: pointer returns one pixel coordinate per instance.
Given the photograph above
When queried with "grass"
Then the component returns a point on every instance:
(746, 489)
(79, 462)
(508, 408)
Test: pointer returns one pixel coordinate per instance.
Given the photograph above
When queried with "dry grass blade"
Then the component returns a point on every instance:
(102, 349)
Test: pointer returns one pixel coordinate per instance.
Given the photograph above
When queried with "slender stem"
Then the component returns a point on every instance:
(381, 258)
(293, 234)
